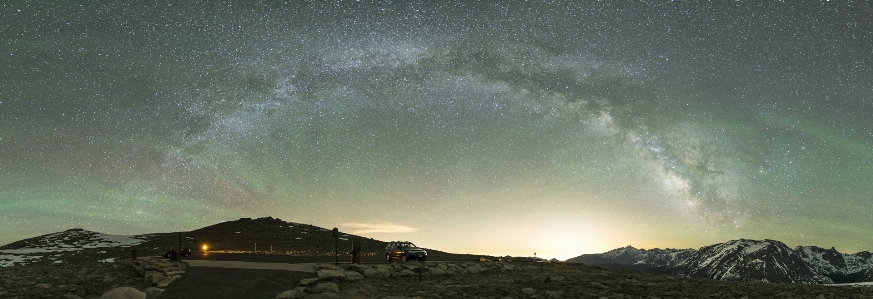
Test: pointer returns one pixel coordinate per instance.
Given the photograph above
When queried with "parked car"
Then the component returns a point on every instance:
(171, 253)
(404, 251)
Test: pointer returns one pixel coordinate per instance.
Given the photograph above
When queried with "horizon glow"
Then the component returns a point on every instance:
(499, 128)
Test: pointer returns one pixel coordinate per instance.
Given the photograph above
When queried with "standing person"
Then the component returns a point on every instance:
(171, 253)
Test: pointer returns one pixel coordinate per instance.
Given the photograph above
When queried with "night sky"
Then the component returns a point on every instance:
(489, 127)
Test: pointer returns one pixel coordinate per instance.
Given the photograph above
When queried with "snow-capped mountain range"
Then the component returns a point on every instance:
(744, 260)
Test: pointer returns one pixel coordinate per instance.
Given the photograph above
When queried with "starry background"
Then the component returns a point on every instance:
(560, 128)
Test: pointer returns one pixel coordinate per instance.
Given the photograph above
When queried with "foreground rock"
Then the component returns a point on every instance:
(327, 274)
(76, 277)
(159, 272)
(145, 277)
(537, 280)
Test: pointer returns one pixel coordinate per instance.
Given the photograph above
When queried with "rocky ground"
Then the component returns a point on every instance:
(93, 279)
(537, 280)
(66, 280)
(403, 280)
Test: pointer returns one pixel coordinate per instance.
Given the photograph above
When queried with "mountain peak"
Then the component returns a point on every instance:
(71, 239)
(633, 258)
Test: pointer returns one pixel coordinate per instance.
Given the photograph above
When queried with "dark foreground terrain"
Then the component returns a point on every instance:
(578, 281)
(493, 280)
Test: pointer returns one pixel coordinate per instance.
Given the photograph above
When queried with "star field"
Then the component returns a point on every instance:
(498, 128)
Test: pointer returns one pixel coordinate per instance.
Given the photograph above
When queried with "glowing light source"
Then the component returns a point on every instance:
(205, 247)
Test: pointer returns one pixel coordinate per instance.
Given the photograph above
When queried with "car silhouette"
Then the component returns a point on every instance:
(171, 253)
(404, 251)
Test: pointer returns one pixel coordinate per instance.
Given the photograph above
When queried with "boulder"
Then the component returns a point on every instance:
(326, 274)
(528, 291)
(157, 278)
(148, 274)
(329, 295)
(359, 268)
(69, 296)
(554, 294)
(308, 281)
(408, 266)
(352, 275)
(386, 271)
(124, 293)
(379, 271)
(406, 272)
(152, 267)
(325, 287)
(436, 271)
(167, 281)
(289, 294)
(177, 272)
(475, 269)
(388, 268)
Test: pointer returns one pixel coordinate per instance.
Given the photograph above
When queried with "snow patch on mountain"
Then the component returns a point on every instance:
(7, 260)
(70, 240)
(73, 239)
(747, 260)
